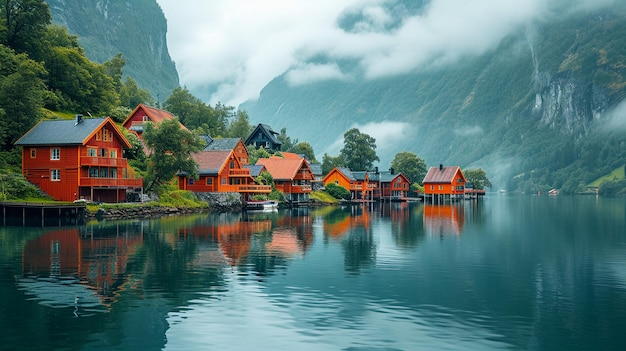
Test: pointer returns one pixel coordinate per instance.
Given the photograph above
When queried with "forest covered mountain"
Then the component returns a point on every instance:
(136, 29)
(540, 111)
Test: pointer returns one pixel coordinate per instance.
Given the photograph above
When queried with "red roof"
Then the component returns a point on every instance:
(212, 160)
(283, 168)
(442, 174)
(156, 115)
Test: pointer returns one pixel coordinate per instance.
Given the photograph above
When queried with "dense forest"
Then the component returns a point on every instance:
(45, 73)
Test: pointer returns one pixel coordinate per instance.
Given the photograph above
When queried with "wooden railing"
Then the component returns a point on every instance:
(255, 189)
(103, 161)
(239, 172)
(112, 182)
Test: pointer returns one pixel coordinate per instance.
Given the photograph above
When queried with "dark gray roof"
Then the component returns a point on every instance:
(267, 130)
(255, 170)
(316, 168)
(359, 175)
(60, 132)
(347, 172)
(222, 144)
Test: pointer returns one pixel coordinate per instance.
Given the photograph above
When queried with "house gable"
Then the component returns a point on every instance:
(264, 136)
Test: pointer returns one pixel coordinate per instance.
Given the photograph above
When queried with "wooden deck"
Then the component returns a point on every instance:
(40, 213)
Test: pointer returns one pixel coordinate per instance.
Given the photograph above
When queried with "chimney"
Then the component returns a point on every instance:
(392, 171)
(440, 167)
(79, 118)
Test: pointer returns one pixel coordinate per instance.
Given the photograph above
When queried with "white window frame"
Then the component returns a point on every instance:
(55, 153)
(55, 175)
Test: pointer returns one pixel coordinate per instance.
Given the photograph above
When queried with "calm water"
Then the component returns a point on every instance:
(538, 273)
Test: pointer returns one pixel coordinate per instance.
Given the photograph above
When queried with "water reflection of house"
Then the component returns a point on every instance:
(443, 219)
(96, 259)
(338, 224)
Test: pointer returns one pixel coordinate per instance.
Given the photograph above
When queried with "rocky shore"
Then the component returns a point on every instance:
(217, 202)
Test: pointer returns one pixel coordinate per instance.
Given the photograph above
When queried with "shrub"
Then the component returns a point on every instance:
(337, 191)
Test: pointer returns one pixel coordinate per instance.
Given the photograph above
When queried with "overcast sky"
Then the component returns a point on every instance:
(228, 50)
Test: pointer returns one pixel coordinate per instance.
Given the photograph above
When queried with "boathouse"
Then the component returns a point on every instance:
(444, 184)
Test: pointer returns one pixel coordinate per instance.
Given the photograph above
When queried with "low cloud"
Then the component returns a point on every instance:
(228, 50)
(311, 73)
(616, 118)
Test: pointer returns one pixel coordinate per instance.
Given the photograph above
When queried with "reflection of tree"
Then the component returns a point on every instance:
(407, 230)
(359, 250)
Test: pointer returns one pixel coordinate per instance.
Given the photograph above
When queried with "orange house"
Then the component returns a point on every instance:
(142, 114)
(358, 183)
(441, 183)
(221, 171)
(78, 159)
(292, 176)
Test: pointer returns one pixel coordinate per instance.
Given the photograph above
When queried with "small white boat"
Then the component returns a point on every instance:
(265, 205)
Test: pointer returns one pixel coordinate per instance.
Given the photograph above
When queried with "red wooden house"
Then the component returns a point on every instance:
(391, 186)
(221, 171)
(358, 183)
(78, 159)
(292, 176)
(444, 183)
(142, 114)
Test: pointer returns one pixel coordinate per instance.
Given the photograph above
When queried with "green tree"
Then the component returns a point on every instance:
(410, 165)
(305, 149)
(287, 143)
(256, 153)
(194, 113)
(82, 85)
(329, 162)
(240, 126)
(132, 95)
(359, 150)
(478, 178)
(171, 148)
(23, 25)
(22, 92)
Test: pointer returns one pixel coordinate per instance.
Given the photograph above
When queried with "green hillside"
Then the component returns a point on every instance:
(534, 112)
(616, 174)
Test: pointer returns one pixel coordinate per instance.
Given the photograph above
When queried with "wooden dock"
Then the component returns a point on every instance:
(40, 213)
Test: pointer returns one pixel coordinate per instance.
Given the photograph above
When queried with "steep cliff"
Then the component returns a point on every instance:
(137, 29)
(535, 112)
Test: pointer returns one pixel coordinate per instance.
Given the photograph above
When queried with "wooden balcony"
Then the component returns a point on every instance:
(253, 188)
(300, 189)
(103, 161)
(112, 182)
(239, 172)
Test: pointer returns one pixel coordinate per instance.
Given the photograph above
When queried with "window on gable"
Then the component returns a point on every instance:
(55, 153)
(33, 153)
(99, 135)
(113, 153)
(103, 153)
(441, 187)
(91, 152)
(55, 175)
(145, 118)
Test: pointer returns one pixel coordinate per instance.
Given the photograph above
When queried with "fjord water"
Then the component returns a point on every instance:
(508, 272)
